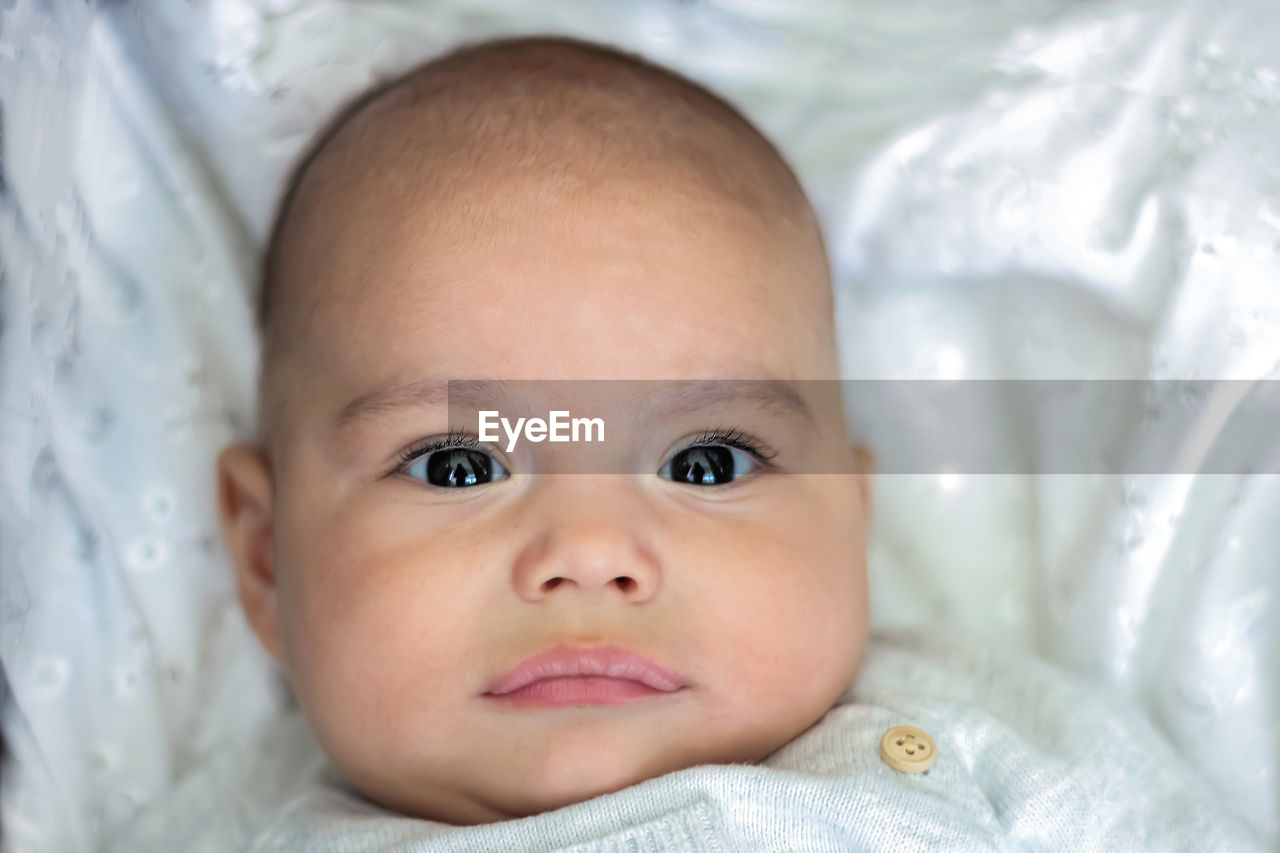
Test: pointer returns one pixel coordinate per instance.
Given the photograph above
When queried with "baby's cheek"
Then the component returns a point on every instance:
(797, 615)
(376, 649)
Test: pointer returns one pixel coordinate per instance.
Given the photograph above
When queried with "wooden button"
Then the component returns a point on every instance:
(908, 749)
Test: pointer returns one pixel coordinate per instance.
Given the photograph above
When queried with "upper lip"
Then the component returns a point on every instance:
(608, 661)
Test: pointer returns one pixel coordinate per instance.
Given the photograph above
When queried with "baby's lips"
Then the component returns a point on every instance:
(608, 661)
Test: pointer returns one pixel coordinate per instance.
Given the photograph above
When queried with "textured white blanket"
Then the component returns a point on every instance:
(1028, 757)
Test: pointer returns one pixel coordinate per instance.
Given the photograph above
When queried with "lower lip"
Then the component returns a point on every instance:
(579, 690)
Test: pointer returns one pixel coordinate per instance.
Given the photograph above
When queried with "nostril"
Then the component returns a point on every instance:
(624, 583)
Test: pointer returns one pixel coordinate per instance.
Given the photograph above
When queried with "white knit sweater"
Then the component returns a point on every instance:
(1028, 757)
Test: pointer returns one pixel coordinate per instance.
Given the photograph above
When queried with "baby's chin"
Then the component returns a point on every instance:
(553, 773)
(579, 765)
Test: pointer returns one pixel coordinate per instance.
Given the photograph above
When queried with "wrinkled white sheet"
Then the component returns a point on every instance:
(1042, 190)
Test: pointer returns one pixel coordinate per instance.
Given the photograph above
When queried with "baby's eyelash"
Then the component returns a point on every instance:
(452, 439)
(734, 437)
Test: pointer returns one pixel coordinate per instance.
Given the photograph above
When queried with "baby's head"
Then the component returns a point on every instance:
(546, 209)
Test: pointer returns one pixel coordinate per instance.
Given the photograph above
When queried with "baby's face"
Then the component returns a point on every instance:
(398, 602)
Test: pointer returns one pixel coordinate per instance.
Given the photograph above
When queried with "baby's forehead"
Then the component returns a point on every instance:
(558, 248)
(540, 296)
(473, 211)
(406, 152)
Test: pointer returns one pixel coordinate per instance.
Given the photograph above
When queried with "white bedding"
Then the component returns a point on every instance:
(1011, 190)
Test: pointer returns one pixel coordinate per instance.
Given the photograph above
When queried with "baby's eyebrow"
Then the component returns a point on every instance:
(694, 394)
(662, 396)
(418, 393)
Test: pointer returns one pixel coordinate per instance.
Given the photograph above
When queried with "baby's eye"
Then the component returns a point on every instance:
(456, 468)
(708, 465)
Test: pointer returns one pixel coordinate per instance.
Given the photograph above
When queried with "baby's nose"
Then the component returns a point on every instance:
(590, 549)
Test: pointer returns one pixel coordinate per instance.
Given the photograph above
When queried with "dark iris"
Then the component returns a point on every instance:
(459, 467)
(703, 466)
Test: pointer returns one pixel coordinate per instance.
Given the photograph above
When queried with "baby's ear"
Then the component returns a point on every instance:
(864, 462)
(244, 504)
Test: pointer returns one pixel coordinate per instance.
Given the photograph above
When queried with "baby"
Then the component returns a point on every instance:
(547, 209)
(480, 648)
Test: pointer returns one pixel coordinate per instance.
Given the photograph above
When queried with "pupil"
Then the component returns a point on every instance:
(458, 467)
(704, 466)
